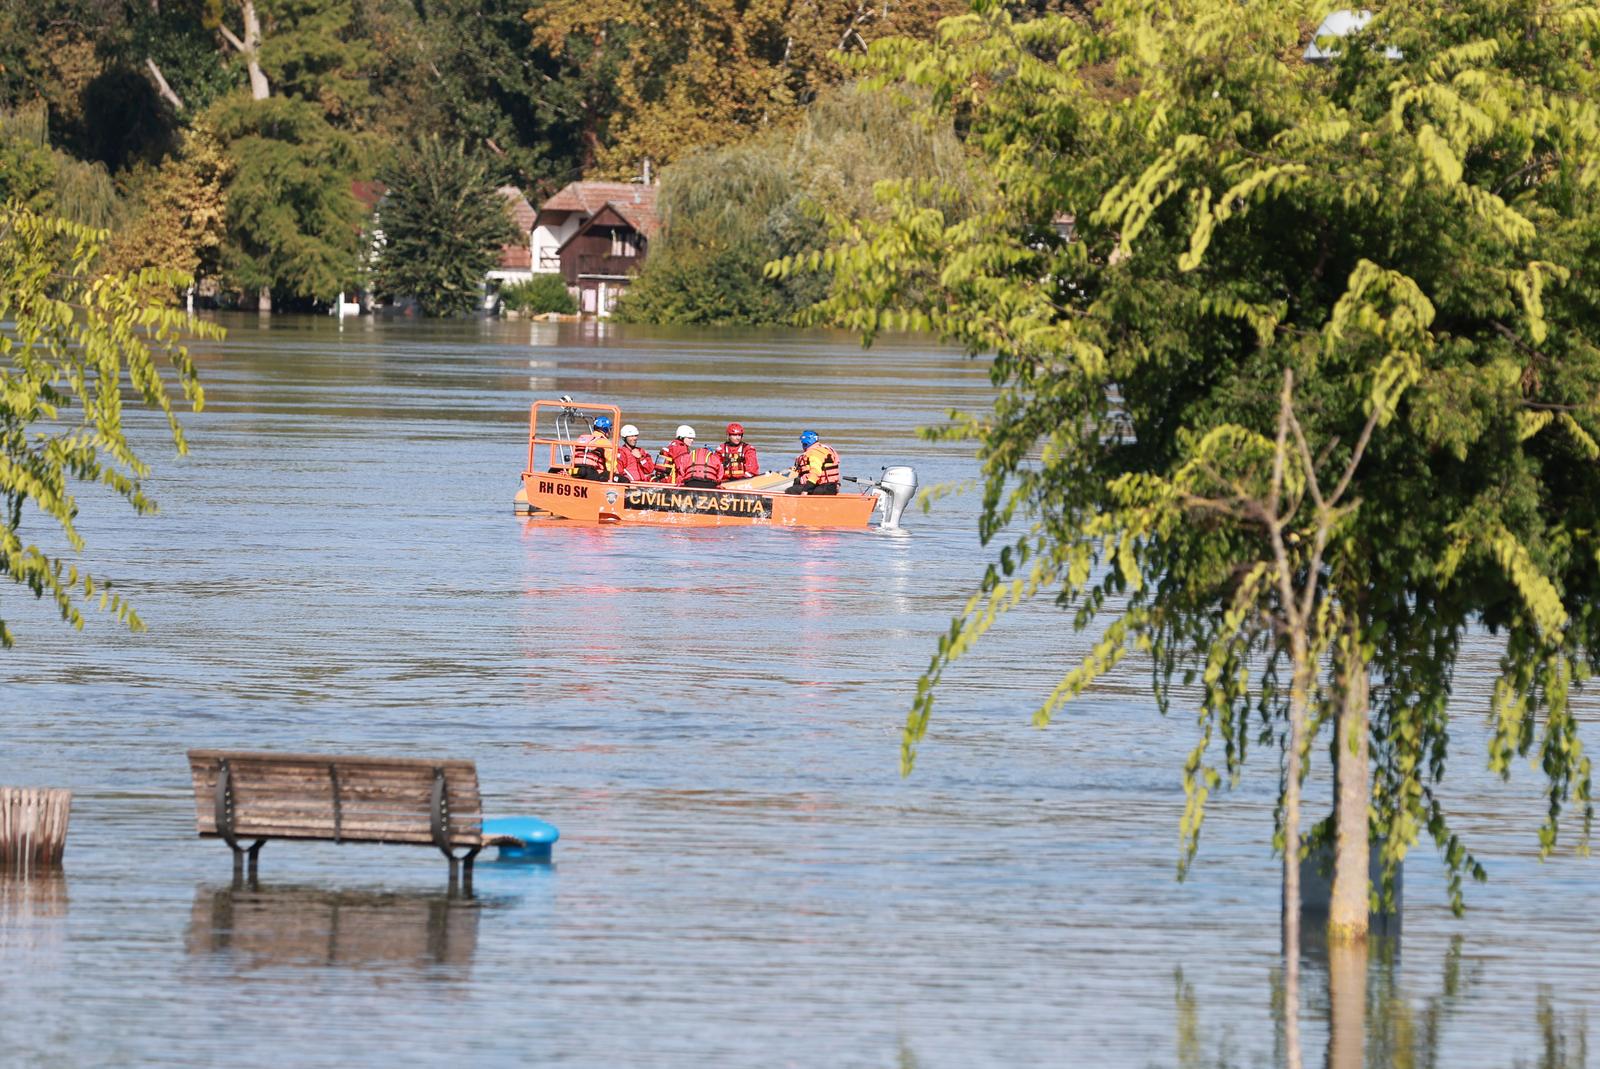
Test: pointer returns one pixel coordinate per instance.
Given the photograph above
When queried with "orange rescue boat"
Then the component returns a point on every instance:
(550, 491)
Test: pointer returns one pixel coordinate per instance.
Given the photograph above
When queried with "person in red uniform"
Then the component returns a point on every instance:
(738, 456)
(667, 464)
(594, 458)
(700, 467)
(634, 463)
(816, 469)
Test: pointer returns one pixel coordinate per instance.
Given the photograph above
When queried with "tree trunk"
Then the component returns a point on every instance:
(1347, 1005)
(1348, 906)
(1299, 700)
(259, 89)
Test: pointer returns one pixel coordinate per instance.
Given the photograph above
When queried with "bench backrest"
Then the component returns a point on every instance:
(329, 796)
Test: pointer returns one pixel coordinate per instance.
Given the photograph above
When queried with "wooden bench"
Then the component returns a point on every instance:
(242, 796)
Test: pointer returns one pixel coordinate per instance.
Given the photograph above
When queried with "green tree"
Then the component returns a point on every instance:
(47, 179)
(468, 70)
(1183, 210)
(721, 213)
(444, 223)
(73, 343)
(294, 225)
(27, 168)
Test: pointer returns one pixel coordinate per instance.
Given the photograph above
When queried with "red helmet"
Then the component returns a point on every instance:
(735, 428)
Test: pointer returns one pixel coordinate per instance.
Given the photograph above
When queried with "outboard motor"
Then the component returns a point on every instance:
(894, 492)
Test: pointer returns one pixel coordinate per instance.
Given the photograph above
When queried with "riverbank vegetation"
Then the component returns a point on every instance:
(1344, 309)
(726, 212)
(228, 139)
(540, 295)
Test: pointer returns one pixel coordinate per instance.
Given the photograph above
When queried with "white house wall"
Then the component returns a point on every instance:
(547, 242)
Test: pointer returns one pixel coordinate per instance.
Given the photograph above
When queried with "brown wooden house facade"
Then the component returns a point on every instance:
(600, 259)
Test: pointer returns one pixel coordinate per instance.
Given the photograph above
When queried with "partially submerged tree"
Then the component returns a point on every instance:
(71, 344)
(444, 223)
(1183, 209)
(294, 225)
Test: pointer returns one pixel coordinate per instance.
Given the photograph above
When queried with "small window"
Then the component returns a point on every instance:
(622, 243)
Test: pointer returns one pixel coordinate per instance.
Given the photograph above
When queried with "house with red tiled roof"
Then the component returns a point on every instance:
(596, 234)
(516, 260)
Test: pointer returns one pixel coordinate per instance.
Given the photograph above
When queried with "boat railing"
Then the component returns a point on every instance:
(556, 427)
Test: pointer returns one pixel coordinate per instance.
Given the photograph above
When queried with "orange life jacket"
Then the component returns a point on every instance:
(737, 460)
(702, 463)
(830, 465)
(592, 452)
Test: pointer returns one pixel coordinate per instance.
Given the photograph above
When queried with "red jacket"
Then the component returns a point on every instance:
(738, 461)
(636, 463)
(670, 454)
(699, 463)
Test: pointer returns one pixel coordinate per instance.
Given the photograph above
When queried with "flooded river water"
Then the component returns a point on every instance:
(711, 717)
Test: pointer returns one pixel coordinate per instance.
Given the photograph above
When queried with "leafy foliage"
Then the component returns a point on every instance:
(1181, 210)
(469, 70)
(179, 212)
(73, 342)
(706, 73)
(726, 212)
(293, 223)
(46, 179)
(539, 295)
(443, 224)
(555, 90)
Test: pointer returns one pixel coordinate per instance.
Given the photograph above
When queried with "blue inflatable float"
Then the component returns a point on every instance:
(520, 838)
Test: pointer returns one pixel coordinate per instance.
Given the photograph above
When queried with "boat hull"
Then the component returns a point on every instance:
(658, 504)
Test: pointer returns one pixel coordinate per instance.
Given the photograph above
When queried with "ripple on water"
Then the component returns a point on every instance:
(711, 717)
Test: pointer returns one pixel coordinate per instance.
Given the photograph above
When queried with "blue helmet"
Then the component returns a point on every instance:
(808, 439)
(603, 424)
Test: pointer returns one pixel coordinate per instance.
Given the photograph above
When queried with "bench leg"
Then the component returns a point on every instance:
(461, 871)
(239, 854)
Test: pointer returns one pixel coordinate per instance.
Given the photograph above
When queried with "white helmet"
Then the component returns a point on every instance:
(685, 431)
(630, 431)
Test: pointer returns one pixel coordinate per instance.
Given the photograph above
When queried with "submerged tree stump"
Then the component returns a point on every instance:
(33, 828)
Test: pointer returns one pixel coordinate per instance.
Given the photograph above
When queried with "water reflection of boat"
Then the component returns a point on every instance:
(262, 927)
(548, 491)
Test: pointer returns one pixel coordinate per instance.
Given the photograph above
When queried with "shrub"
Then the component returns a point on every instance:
(538, 295)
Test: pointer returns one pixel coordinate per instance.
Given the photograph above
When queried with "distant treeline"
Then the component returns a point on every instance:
(227, 138)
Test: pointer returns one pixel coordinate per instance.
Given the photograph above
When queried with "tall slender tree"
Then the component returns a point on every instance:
(1183, 208)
